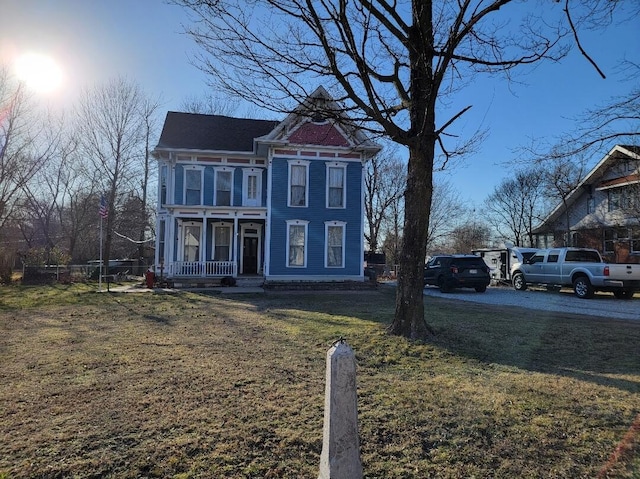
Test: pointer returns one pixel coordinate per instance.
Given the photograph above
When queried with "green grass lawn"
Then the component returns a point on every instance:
(204, 386)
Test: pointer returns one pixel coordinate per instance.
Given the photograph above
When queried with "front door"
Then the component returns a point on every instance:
(250, 255)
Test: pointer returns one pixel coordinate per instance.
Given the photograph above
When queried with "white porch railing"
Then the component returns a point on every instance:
(203, 269)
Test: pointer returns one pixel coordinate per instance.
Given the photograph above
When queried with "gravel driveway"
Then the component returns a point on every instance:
(603, 304)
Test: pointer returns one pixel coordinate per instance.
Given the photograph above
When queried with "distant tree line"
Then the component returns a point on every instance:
(54, 171)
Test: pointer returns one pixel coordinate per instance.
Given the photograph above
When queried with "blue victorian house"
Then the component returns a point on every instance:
(281, 201)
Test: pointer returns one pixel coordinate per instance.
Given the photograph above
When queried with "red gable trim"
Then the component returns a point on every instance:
(324, 134)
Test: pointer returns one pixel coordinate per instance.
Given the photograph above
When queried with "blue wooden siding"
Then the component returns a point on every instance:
(316, 213)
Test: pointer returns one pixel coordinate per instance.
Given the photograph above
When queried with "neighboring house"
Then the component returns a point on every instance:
(603, 212)
(281, 201)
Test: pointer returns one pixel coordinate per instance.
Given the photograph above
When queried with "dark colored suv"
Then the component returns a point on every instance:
(457, 271)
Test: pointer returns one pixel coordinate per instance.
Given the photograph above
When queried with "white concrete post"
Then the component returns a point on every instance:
(340, 458)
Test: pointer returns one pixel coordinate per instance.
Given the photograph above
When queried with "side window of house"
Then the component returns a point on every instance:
(298, 183)
(163, 184)
(161, 239)
(224, 182)
(334, 239)
(609, 240)
(221, 242)
(629, 198)
(615, 200)
(193, 186)
(591, 205)
(336, 174)
(297, 243)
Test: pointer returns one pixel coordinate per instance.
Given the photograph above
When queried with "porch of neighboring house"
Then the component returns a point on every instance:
(207, 250)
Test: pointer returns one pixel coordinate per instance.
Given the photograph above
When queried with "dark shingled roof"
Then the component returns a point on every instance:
(632, 148)
(211, 132)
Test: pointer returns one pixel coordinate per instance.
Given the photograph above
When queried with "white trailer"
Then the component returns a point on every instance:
(502, 261)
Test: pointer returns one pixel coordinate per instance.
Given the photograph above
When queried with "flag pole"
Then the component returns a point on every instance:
(100, 275)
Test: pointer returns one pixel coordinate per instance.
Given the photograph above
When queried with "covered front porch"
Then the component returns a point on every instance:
(210, 245)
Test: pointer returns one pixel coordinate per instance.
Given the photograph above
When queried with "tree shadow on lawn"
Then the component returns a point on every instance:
(586, 348)
(601, 351)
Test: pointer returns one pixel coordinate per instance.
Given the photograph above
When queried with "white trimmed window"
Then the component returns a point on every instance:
(193, 185)
(224, 187)
(297, 243)
(251, 187)
(163, 184)
(222, 241)
(335, 241)
(298, 183)
(336, 191)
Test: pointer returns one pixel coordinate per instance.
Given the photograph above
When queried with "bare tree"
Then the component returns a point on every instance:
(384, 185)
(561, 175)
(393, 230)
(469, 236)
(113, 128)
(516, 204)
(209, 105)
(148, 111)
(22, 152)
(598, 129)
(392, 65)
(446, 211)
(26, 145)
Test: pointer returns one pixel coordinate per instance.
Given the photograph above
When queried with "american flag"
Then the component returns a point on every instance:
(104, 209)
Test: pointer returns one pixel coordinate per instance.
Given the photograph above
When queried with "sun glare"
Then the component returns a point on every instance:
(39, 72)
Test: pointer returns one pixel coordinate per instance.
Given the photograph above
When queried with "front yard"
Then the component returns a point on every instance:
(203, 386)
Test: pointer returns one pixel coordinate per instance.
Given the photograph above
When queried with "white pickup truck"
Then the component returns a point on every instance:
(578, 267)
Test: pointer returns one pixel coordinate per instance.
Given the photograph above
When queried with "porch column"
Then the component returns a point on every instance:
(236, 239)
(203, 247)
(170, 241)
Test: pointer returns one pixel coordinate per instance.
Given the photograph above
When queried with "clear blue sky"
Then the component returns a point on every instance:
(95, 40)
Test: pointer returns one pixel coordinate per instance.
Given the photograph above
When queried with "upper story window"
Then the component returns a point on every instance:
(615, 200)
(298, 183)
(591, 205)
(336, 174)
(624, 198)
(252, 187)
(297, 243)
(335, 244)
(224, 187)
(164, 171)
(193, 185)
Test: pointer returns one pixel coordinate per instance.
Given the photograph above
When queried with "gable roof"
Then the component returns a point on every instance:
(320, 120)
(193, 131)
(616, 153)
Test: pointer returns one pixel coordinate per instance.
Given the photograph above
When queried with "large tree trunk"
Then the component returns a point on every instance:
(409, 320)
